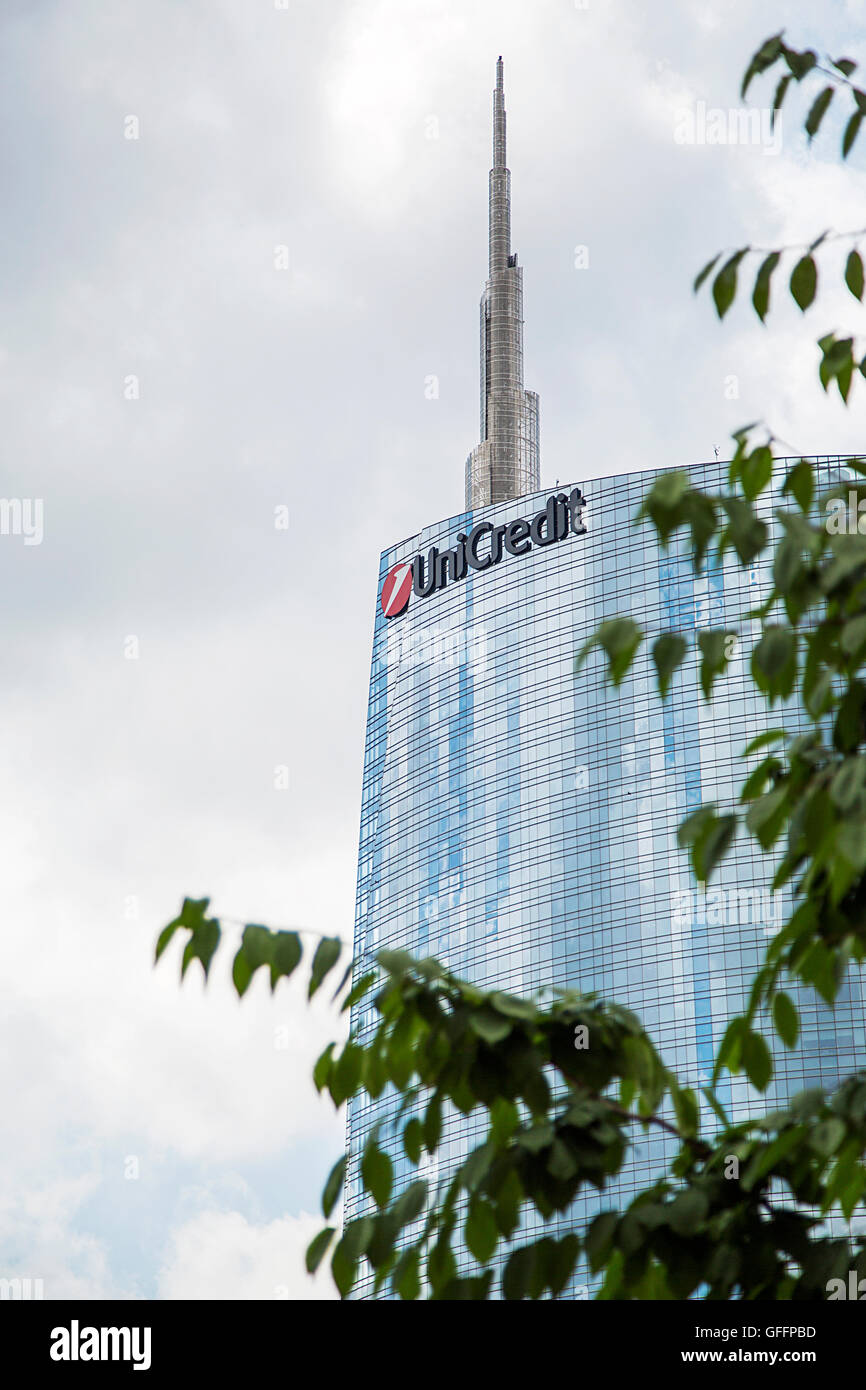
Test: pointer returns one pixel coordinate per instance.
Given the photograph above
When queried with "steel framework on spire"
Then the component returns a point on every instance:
(506, 462)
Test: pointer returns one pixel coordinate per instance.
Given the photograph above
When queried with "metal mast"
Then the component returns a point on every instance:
(506, 462)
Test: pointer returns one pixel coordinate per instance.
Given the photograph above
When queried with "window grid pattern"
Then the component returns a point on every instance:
(519, 822)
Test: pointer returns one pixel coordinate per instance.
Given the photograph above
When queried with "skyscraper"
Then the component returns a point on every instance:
(506, 462)
(518, 822)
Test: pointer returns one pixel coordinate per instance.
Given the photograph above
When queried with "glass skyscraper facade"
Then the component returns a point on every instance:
(519, 820)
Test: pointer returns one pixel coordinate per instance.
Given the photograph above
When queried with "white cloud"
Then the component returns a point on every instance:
(154, 778)
(220, 1255)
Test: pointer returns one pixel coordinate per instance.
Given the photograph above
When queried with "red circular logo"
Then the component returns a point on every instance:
(396, 589)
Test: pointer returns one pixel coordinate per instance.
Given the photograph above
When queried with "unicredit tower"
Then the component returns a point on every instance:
(518, 821)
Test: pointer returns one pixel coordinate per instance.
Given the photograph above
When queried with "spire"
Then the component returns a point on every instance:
(505, 463)
(500, 182)
(499, 118)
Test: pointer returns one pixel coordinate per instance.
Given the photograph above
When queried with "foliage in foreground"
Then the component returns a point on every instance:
(561, 1085)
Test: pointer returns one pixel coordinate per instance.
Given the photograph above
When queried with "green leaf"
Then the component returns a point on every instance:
(756, 471)
(694, 825)
(713, 644)
(257, 945)
(480, 1230)
(746, 532)
(165, 937)
(779, 98)
(441, 1265)
(761, 292)
(688, 1211)
(853, 637)
(701, 277)
(322, 1068)
(764, 58)
(357, 992)
(490, 1027)
(406, 1280)
(286, 952)
(852, 130)
(757, 1062)
(345, 1073)
(762, 741)
(413, 1139)
(326, 957)
(767, 816)
(711, 843)
(686, 1110)
(801, 482)
(377, 1172)
(201, 946)
(192, 915)
(333, 1187)
(828, 1135)
(804, 282)
(774, 662)
(837, 363)
(731, 1048)
(715, 1105)
(620, 639)
(397, 963)
(848, 783)
(241, 972)
(508, 1201)
(725, 283)
(517, 1274)
(504, 1119)
(800, 63)
(668, 652)
(561, 1264)
(348, 1251)
(599, 1239)
(318, 1248)
(432, 1125)
(854, 274)
(512, 1007)
(410, 1204)
(786, 1019)
(817, 113)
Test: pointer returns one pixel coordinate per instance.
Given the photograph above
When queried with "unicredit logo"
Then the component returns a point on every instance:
(396, 589)
(483, 547)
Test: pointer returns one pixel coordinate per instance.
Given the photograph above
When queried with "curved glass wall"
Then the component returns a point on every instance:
(519, 823)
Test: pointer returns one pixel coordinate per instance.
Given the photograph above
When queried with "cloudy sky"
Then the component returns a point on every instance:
(239, 239)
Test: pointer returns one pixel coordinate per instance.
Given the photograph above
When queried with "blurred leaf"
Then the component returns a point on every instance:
(668, 652)
(318, 1248)
(786, 1019)
(817, 113)
(377, 1172)
(804, 282)
(725, 283)
(757, 1062)
(854, 274)
(761, 292)
(326, 957)
(333, 1187)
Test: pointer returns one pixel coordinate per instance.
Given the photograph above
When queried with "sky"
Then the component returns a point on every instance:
(244, 243)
